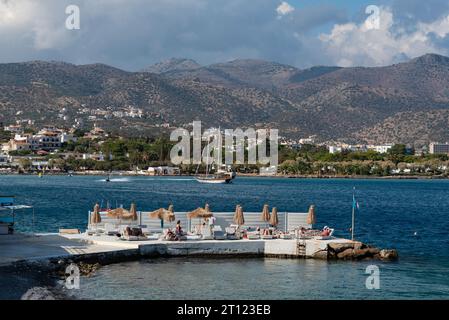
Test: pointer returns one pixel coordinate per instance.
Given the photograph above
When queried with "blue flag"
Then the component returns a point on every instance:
(355, 204)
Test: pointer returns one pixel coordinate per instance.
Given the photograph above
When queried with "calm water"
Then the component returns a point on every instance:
(391, 212)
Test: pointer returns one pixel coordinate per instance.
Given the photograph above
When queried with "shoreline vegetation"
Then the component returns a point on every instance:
(246, 175)
(133, 156)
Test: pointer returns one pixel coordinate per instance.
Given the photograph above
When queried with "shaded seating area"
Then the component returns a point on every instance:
(203, 224)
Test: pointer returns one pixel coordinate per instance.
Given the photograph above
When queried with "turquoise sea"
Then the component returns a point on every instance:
(411, 216)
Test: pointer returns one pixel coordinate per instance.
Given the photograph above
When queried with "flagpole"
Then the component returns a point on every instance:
(353, 214)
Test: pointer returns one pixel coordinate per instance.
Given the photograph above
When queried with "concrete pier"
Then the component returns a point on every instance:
(81, 247)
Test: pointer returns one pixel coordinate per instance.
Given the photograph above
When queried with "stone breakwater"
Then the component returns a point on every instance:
(358, 251)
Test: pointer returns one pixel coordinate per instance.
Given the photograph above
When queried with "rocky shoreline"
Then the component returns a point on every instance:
(359, 251)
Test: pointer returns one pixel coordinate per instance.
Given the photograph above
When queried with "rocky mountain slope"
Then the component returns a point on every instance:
(407, 102)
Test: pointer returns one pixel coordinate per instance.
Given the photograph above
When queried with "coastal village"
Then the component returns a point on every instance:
(49, 149)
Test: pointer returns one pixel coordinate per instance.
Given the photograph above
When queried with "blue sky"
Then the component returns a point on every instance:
(132, 34)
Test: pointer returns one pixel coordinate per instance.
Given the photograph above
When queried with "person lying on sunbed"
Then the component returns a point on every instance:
(327, 232)
(169, 235)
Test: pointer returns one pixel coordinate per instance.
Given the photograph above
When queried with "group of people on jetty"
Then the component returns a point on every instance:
(127, 225)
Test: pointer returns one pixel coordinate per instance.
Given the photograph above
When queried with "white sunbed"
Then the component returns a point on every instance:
(134, 238)
(232, 233)
(154, 236)
(206, 233)
(218, 233)
(253, 236)
(111, 229)
(193, 237)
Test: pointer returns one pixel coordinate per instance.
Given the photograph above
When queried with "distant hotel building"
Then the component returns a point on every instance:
(48, 139)
(439, 148)
(359, 148)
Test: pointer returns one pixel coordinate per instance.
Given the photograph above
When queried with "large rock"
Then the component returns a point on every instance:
(360, 254)
(388, 254)
(340, 247)
(346, 255)
(322, 254)
(38, 293)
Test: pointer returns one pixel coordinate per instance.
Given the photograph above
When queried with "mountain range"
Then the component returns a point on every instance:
(401, 103)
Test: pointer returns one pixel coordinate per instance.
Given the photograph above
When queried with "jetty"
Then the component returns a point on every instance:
(106, 241)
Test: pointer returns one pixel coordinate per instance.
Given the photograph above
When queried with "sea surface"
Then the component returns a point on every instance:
(411, 216)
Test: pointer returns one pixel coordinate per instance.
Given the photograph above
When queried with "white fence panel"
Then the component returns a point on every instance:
(287, 220)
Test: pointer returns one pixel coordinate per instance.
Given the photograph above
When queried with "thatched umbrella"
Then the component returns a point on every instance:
(274, 219)
(265, 213)
(163, 215)
(95, 217)
(118, 213)
(200, 213)
(239, 219)
(311, 217)
(132, 213)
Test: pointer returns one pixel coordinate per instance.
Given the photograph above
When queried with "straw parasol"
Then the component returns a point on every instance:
(265, 213)
(239, 219)
(118, 213)
(311, 217)
(200, 213)
(164, 214)
(95, 217)
(132, 213)
(274, 220)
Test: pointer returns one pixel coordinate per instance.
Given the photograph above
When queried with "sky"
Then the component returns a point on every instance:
(133, 34)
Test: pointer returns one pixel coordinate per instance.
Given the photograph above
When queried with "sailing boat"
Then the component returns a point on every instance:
(216, 178)
(220, 177)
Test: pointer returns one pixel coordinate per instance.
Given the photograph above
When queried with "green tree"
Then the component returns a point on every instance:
(397, 153)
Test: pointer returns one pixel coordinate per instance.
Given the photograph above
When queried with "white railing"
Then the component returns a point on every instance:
(287, 220)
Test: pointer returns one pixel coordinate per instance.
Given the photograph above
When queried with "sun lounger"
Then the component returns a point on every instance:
(130, 233)
(206, 233)
(286, 236)
(134, 238)
(323, 237)
(193, 237)
(253, 236)
(267, 237)
(154, 236)
(69, 231)
(233, 232)
(219, 235)
(230, 230)
(111, 230)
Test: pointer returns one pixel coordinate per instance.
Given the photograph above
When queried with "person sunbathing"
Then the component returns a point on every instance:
(327, 232)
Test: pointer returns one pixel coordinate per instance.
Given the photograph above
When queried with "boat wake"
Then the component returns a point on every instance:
(116, 180)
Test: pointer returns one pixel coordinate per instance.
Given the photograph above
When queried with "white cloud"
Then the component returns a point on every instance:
(284, 8)
(353, 44)
(34, 22)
